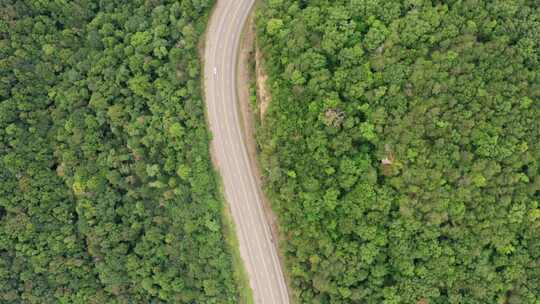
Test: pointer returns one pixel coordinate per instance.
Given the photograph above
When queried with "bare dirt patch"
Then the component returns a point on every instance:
(263, 95)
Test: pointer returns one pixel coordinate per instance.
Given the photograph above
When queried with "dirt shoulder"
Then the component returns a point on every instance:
(263, 94)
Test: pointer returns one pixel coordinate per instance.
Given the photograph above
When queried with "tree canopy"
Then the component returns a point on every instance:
(107, 194)
(401, 149)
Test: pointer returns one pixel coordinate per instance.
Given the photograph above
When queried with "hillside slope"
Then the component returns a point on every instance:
(107, 194)
(401, 149)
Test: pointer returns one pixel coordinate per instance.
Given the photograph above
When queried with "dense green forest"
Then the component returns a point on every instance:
(107, 194)
(401, 149)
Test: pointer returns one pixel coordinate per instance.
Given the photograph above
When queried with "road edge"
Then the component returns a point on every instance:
(249, 129)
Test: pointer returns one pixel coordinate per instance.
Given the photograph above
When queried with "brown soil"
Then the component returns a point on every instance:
(263, 95)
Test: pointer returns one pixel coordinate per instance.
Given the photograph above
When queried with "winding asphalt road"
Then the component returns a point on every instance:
(242, 191)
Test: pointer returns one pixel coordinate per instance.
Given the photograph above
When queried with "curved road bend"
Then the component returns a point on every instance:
(242, 191)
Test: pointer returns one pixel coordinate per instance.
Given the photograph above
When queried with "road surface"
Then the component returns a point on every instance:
(242, 191)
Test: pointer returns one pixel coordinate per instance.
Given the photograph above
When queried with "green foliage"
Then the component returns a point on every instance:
(107, 194)
(401, 148)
